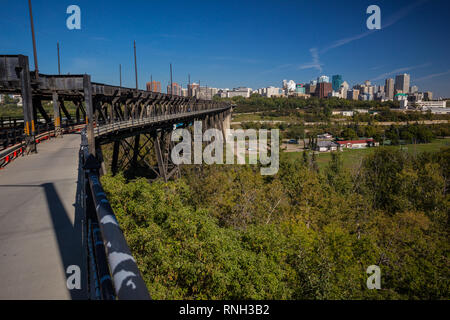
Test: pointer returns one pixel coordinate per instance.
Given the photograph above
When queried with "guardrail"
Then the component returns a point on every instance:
(12, 152)
(113, 272)
(128, 124)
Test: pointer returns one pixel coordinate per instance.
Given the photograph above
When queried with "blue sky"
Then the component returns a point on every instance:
(237, 43)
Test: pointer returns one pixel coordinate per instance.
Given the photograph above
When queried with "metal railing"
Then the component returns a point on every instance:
(132, 123)
(113, 272)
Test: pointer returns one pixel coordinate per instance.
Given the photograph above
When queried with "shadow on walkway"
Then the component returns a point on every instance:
(69, 237)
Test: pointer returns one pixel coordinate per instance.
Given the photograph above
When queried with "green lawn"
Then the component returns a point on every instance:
(258, 117)
(352, 158)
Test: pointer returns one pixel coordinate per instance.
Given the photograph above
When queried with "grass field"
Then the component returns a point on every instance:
(257, 117)
(352, 158)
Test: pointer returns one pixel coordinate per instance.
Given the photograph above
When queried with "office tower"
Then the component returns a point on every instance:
(300, 88)
(322, 79)
(343, 90)
(154, 86)
(402, 83)
(323, 89)
(353, 94)
(336, 81)
(310, 89)
(389, 89)
(414, 89)
(428, 95)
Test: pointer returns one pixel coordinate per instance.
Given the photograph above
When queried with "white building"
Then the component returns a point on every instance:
(239, 92)
(289, 86)
(343, 113)
(324, 146)
(272, 92)
(323, 79)
(439, 110)
(430, 104)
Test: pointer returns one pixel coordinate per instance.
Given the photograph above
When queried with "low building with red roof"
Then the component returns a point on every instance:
(358, 144)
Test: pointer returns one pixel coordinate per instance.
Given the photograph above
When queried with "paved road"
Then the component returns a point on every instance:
(41, 223)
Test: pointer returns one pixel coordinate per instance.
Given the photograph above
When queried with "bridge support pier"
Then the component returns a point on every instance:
(56, 115)
(87, 88)
(27, 100)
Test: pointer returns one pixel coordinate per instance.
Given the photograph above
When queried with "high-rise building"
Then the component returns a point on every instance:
(402, 83)
(336, 81)
(353, 94)
(428, 95)
(389, 89)
(289, 86)
(323, 89)
(300, 88)
(414, 89)
(193, 88)
(154, 86)
(310, 88)
(176, 89)
(343, 90)
(322, 79)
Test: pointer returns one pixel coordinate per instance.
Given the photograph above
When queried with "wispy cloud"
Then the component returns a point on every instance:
(315, 63)
(400, 70)
(434, 75)
(391, 20)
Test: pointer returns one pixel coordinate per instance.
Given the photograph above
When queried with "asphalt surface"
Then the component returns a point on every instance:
(41, 223)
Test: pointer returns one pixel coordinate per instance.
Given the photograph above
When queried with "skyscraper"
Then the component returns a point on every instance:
(389, 89)
(336, 81)
(323, 79)
(402, 83)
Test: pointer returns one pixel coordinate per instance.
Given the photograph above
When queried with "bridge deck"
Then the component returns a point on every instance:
(41, 223)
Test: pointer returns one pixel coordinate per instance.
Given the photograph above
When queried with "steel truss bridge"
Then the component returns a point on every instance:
(136, 122)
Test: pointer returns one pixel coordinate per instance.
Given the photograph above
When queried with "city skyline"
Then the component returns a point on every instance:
(301, 43)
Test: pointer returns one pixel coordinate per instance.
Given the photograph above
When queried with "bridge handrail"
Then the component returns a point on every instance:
(105, 128)
(122, 270)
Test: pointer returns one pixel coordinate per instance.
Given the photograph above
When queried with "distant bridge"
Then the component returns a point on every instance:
(132, 120)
